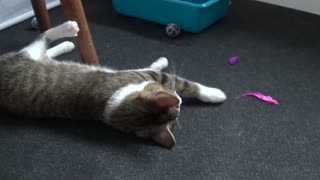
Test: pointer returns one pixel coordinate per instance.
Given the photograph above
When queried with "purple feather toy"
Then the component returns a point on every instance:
(233, 60)
(260, 96)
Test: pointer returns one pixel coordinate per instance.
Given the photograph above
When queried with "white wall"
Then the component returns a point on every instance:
(15, 11)
(312, 6)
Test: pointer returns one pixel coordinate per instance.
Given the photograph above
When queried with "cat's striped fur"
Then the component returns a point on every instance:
(144, 102)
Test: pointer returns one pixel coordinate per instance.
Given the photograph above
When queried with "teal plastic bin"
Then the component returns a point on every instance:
(189, 15)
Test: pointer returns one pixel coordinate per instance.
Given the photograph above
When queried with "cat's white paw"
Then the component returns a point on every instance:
(67, 46)
(67, 29)
(160, 64)
(70, 28)
(213, 95)
(59, 49)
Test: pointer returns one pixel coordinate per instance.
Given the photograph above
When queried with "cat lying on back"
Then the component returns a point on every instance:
(144, 102)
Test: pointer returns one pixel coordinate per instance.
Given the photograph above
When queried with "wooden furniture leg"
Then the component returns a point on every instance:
(41, 13)
(73, 10)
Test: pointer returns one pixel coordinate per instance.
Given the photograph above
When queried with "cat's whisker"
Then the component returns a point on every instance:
(178, 147)
(173, 83)
(173, 76)
(178, 123)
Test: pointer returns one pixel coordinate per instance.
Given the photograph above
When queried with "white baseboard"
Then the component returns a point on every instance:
(311, 6)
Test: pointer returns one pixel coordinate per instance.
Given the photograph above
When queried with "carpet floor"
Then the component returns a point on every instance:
(279, 52)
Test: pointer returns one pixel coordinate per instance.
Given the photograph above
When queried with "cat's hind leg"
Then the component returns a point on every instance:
(67, 29)
(37, 49)
(60, 49)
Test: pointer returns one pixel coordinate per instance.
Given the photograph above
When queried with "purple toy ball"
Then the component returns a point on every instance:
(172, 30)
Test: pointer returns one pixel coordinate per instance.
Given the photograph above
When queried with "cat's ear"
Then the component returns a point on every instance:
(163, 136)
(164, 100)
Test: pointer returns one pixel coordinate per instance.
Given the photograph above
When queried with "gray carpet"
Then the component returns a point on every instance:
(279, 53)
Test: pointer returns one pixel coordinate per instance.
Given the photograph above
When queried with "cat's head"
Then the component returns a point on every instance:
(147, 110)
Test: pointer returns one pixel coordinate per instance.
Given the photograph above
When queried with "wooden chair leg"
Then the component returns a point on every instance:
(73, 10)
(41, 13)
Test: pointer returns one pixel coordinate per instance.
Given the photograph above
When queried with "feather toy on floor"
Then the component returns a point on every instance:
(260, 96)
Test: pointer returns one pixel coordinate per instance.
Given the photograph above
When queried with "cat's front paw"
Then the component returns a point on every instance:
(212, 95)
(159, 64)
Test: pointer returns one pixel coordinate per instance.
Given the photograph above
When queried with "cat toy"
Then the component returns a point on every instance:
(172, 30)
(260, 96)
(34, 23)
(233, 60)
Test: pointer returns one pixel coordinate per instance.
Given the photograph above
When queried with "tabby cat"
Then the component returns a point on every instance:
(144, 102)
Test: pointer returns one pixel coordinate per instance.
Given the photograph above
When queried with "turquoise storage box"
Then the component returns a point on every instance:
(190, 15)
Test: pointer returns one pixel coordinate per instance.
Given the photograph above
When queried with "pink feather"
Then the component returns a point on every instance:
(260, 96)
